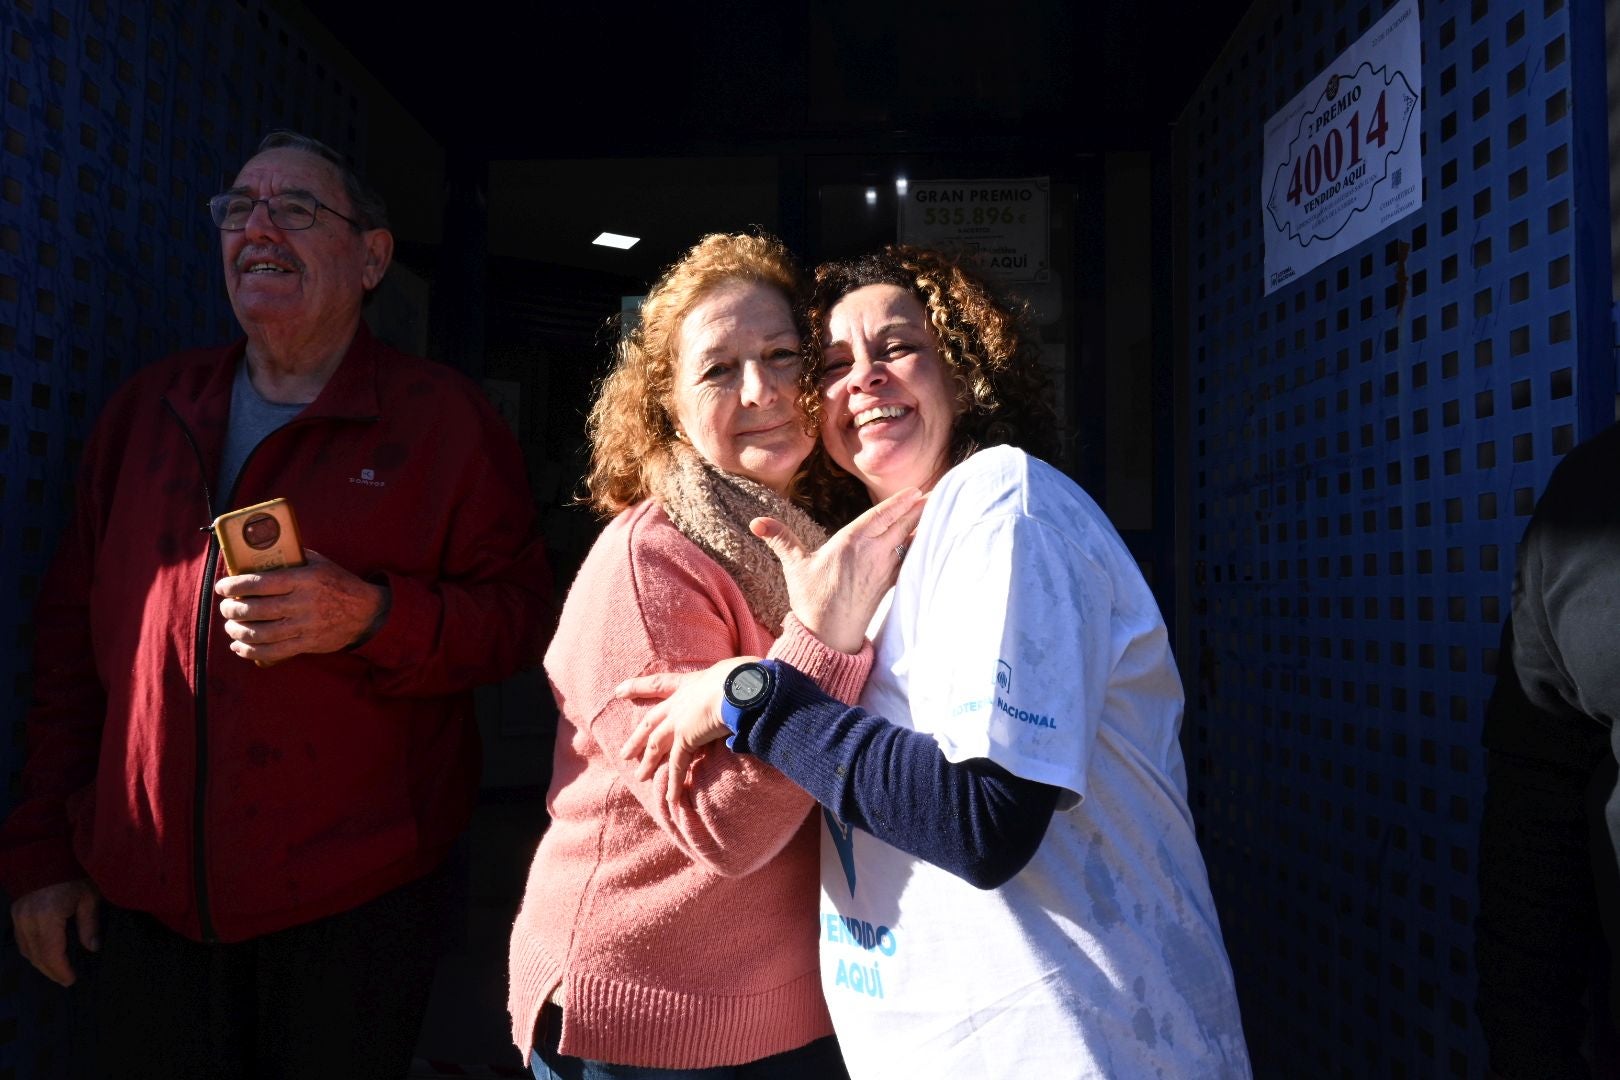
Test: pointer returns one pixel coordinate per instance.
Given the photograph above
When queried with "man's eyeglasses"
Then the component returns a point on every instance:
(292, 211)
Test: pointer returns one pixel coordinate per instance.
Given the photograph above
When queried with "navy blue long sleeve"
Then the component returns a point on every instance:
(972, 818)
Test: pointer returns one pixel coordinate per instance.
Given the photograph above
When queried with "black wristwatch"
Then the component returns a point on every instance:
(747, 689)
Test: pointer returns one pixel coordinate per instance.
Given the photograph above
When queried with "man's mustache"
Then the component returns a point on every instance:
(270, 253)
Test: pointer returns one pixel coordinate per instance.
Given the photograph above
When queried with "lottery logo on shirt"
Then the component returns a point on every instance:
(1004, 687)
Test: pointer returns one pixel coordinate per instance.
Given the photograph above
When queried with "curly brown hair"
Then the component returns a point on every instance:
(629, 427)
(986, 341)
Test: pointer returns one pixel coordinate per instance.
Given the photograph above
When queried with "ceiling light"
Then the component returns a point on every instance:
(900, 186)
(615, 240)
(871, 196)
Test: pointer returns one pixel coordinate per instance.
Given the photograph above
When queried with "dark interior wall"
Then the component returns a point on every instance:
(399, 157)
(118, 122)
(1128, 259)
(1362, 450)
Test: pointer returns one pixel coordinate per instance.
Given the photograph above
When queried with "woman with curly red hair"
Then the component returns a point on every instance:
(678, 940)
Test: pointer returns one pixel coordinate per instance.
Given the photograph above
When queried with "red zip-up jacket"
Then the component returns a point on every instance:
(230, 800)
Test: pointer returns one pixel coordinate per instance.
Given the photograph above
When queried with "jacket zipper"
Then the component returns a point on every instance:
(199, 800)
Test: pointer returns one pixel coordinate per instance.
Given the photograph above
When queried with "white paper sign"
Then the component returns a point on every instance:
(1001, 227)
(1343, 160)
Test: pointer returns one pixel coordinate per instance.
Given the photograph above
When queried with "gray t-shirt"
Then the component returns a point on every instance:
(251, 419)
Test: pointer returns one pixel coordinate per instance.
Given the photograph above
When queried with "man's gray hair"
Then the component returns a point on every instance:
(366, 205)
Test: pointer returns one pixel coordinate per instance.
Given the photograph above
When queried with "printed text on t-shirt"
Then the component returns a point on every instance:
(853, 975)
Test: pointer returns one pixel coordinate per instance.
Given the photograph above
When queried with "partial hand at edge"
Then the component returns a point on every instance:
(836, 589)
(684, 719)
(40, 920)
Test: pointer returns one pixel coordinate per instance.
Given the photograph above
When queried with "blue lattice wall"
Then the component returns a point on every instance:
(118, 121)
(1365, 447)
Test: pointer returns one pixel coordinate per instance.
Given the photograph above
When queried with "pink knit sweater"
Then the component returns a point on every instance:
(679, 942)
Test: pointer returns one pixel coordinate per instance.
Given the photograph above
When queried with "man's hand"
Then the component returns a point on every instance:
(40, 921)
(315, 608)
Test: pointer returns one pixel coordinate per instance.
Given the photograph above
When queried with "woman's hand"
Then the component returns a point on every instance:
(836, 589)
(685, 718)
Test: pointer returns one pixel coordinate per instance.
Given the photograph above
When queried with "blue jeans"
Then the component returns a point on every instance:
(819, 1060)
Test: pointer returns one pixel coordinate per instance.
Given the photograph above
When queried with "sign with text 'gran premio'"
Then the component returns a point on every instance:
(1001, 227)
(1342, 160)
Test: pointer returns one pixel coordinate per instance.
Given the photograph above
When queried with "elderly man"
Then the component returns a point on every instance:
(253, 851)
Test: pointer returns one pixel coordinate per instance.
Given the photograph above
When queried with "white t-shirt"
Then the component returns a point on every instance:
(1021, 631)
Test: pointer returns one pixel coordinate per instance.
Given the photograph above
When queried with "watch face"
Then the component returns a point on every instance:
(747, 684)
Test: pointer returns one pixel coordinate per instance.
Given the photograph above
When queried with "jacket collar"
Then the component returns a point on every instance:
(201, 396)
(351, 392)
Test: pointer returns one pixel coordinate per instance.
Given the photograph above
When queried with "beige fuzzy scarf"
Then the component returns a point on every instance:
(713, 508)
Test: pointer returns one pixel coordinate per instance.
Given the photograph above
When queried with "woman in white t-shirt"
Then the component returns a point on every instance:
(1010, 880)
